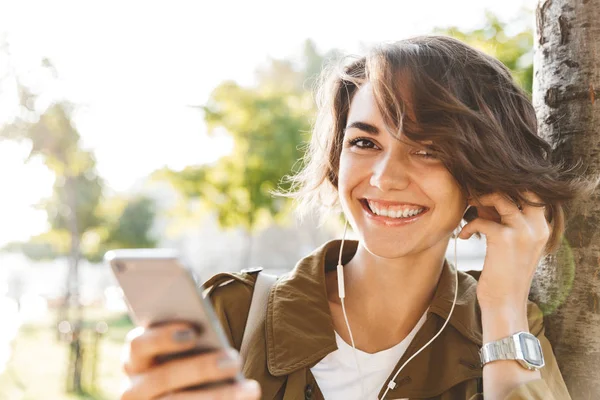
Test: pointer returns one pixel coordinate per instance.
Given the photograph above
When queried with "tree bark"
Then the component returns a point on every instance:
(565, 94)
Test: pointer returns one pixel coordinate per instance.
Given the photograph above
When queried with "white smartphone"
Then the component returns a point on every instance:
(158, 288)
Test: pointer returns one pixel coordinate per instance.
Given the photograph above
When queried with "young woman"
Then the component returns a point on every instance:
(410, 141)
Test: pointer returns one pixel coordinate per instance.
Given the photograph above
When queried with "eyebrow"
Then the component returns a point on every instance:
(363, 126)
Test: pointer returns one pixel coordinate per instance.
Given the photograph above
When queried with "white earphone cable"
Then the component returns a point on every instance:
(342, 294)
(392, 384)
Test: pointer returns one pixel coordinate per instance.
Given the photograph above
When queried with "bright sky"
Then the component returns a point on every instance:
(135, 66)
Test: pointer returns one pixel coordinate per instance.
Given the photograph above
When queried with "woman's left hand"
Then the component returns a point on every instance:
(515, 243)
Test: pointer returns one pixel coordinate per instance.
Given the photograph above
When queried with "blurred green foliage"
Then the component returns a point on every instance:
(126, 224)
(123, 222)
(268, 122)
(77, 188)
(500, 40)
(82, 221)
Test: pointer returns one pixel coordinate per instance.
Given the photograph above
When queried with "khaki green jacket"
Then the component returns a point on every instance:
(298, 333)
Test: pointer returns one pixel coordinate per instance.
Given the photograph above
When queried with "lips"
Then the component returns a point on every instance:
(392, 208)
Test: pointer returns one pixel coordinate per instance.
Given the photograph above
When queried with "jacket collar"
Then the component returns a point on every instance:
(299, 338)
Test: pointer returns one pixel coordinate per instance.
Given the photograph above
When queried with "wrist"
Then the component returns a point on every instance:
(502, 302)
(501, 321)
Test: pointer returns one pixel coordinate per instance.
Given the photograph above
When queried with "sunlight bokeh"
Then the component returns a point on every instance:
(135, 68)
(138, 74)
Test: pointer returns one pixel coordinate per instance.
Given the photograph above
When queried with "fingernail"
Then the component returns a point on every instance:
(184, 335)
(229, 360)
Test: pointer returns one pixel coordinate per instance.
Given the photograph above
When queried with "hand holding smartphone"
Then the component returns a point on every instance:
(158, 289)
(165, 301)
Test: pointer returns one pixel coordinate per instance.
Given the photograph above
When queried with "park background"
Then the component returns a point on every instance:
(147, 124)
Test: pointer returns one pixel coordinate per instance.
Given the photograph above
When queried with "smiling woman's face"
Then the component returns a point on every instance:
(399, 200)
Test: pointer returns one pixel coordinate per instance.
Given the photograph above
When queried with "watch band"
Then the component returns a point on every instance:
(522, 347)
(503, 349)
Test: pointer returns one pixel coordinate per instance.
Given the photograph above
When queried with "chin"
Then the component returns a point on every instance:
(389, 248)
(394, 245)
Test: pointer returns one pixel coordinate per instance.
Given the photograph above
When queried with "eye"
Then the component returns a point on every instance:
(362, 143)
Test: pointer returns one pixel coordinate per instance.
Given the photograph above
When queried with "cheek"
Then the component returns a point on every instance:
(347, 173)
(352, 175)
(342, 180)
(446, 193)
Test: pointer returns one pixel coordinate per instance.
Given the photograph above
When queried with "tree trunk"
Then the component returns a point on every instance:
(566, 86)
(71, 190)
(72, 278)
(75, 302)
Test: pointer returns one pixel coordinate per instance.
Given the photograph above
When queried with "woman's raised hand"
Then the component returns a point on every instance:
(516, 239)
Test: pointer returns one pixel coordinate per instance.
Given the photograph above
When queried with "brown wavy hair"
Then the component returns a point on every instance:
(482, 126)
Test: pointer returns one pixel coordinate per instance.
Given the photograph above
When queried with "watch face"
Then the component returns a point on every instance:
(532, 351)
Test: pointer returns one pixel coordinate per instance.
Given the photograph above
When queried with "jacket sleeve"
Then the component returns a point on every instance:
(551, 386)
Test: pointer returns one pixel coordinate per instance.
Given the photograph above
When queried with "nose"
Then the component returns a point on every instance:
(389, 173)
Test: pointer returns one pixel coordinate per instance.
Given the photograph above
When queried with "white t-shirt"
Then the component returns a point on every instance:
(338, 378)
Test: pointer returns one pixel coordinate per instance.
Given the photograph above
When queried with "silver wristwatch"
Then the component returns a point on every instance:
(522, 347)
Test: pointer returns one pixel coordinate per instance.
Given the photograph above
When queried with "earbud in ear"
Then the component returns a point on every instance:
(467, 209)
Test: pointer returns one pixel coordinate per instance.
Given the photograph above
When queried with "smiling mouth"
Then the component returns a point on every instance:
(393, 215)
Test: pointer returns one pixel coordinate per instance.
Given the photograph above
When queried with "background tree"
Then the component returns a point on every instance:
(122, 222)
(268, 123)
(126, 224)
(72, 209)
(77, 188)
(566, 86)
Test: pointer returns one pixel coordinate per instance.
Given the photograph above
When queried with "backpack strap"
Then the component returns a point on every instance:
(258, 309)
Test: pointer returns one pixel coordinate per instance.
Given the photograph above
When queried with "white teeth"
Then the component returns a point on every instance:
(386, 212)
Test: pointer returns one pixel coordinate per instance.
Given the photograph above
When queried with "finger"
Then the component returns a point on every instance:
(144, 345)
(534, 198)
(507, 209)
(488, 213)
(484, 226)
(246, 390)
(183, 373)
(537, 216)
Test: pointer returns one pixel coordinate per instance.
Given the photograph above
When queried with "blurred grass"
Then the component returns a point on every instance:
(38, 365)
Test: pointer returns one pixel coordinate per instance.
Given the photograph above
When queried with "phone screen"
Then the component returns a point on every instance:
(159, 289)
